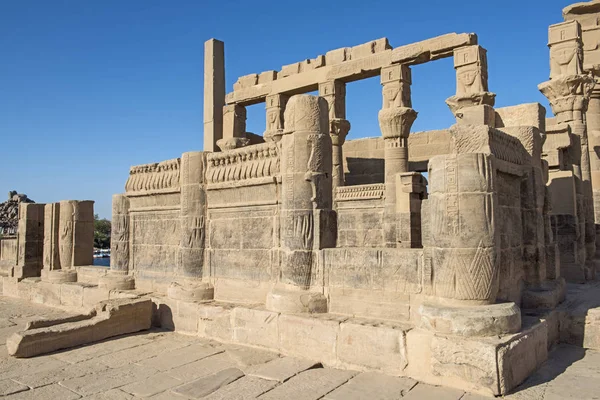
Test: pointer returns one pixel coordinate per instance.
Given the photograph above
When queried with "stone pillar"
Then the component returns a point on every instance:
(53, 271)
(30, 241)
(189, 272)
(306, 218)
(473, 104)
(275, 105)
(51, 235)
(463, 213)
(411, 189)
(334, 92)
(118, 276)
(234, 128)
(568, 92)
(214, 92)
(395, 120)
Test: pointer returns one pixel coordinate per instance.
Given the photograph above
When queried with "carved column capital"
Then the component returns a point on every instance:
(396, 122)
(338, 129)
(568, 94)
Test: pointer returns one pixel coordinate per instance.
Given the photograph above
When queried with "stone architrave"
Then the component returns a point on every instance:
(306, 201)
(189, 273)
(214, 92)
(30, 240)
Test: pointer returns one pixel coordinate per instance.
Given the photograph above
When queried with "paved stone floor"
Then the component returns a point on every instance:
(165, 365)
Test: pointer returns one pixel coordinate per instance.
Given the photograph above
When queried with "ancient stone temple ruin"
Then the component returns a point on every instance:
(342, 250)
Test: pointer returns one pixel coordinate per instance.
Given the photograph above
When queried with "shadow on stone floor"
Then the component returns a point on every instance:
(560, 358)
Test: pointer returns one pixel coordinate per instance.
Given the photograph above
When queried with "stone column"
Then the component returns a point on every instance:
(334, 92)
(51, 235)
(118, 276)
(30, 241)
(411, 189)
(463, 214)
(306, 200)
(568, 92)
(395, 120)
(275, 105)
(190, 283)
(214, 92)
(473, 104)
(53, 271)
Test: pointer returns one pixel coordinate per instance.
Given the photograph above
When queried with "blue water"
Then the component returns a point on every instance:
(104, 262)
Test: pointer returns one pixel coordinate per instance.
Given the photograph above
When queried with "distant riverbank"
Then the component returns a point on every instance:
(103, 262)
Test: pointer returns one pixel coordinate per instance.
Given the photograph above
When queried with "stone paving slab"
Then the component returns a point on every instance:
(282, 369)
(246, 388)
(50, 392)
(206, 366)
(99, 349)
(109, 379)
(372, 385)
(181, 356)
(139, 353)
(36, 379)
(151, 386)
(206, 385)
(428, 392)
(310, 385)
(8, 386)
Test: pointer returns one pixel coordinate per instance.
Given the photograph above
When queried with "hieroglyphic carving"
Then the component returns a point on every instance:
(257, 161)
(316, 169)
(51, 236)
(66, 232)
(119, 244)
(156, 176)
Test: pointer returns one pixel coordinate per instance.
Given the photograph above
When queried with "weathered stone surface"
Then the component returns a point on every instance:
(9, 386)
(108, 379)
(46, 392)
(173, 358)
(155, 384)
(427, 392)
(109, 318)
(206, 385)
(255, 327)
(375, 347)
(370, 385)
(310, 385)
(42, 378)
(282, 369)
(314, 338)
(200, 368)
(245, 388)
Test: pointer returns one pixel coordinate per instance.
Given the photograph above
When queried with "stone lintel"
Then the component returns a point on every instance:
(353, 69)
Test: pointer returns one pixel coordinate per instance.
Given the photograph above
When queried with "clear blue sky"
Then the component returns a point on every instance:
(89, 88)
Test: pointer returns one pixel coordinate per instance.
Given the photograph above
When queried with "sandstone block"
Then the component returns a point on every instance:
(214, 321)
(255, 327)
(309, 337)
(380, 347)
(245, 388)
